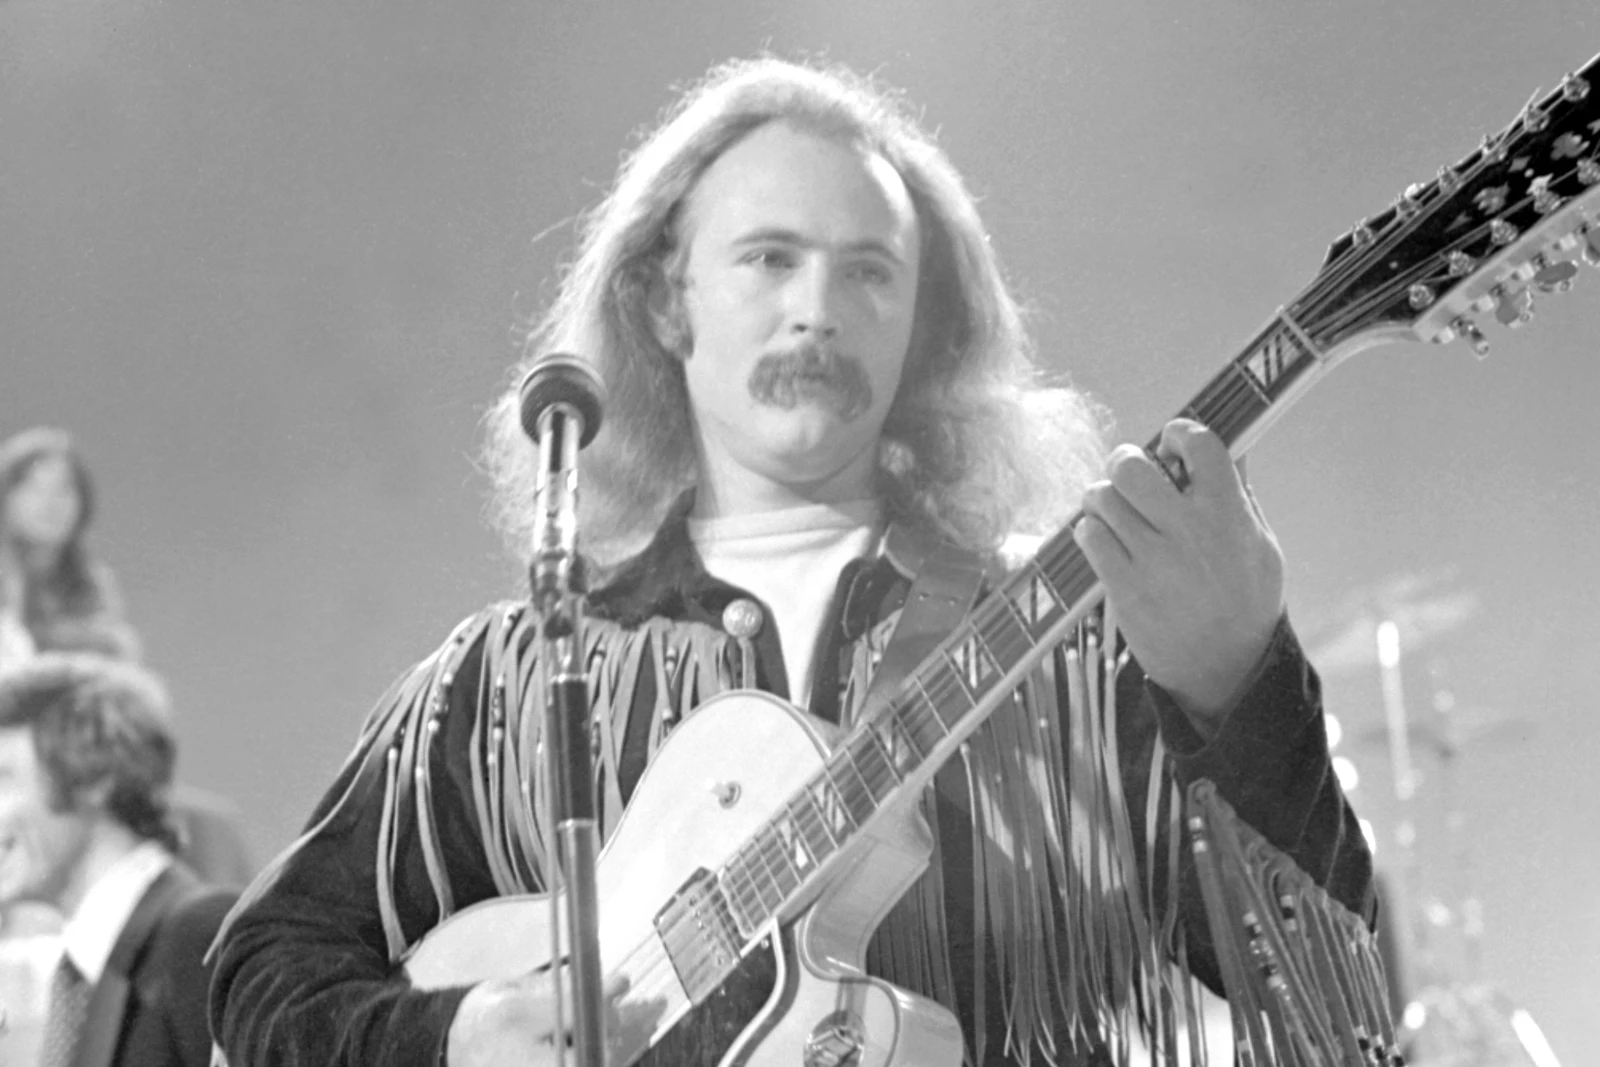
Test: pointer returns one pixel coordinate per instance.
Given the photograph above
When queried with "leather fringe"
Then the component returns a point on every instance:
(1081, 955)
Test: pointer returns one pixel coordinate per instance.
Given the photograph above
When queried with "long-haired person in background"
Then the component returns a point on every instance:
(820, 392)
(53, 593)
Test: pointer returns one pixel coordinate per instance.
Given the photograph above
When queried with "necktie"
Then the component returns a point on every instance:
(67, 1017)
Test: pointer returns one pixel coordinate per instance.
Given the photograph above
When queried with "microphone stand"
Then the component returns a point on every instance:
(558, 589)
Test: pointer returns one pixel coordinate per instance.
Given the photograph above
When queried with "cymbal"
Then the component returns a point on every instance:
(1420, 606)
(1471, 1023)
(1447, 733)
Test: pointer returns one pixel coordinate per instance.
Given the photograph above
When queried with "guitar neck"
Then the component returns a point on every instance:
(895, 751)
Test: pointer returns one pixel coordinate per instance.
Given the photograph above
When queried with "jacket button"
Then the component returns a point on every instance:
(742, 618)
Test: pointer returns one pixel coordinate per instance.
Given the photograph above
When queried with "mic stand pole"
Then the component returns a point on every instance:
(556, 578)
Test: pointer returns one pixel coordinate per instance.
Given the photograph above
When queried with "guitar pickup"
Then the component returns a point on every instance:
(701, 938)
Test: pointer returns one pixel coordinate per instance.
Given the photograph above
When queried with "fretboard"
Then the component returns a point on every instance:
(895, 750)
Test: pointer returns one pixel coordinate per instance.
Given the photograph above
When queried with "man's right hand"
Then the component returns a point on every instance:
(516, 1021)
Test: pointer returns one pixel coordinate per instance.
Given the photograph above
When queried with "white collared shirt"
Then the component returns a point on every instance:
(90, 934)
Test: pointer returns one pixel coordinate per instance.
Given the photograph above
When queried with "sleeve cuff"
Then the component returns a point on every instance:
(1275, 699)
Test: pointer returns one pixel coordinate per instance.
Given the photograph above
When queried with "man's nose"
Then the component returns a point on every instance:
(813, 302)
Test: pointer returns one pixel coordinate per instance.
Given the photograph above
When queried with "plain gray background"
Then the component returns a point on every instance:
(267, 261)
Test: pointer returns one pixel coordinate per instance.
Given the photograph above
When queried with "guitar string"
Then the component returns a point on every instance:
(1233, 401)
(879, 775)
(877, 778)
(1495, 150)
(660, 974)
(1431, 271)
(1427, 269)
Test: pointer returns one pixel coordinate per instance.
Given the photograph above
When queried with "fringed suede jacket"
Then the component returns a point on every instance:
(1060, 890)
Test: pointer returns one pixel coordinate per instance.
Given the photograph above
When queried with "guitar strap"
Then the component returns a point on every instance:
(945, 587)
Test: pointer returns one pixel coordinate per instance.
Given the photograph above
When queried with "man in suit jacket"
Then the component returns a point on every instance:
(86, 760)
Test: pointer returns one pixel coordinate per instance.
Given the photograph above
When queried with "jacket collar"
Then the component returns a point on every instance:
(666, 578)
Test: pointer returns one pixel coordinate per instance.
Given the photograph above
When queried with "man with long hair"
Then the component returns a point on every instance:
(86, 759)
(819, 392)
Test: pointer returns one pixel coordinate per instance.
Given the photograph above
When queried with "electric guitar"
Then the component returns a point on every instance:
(738, 898)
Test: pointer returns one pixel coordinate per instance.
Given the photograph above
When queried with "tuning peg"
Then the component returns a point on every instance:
(1465, 327)
(1409, 203)
(1553, 277)
(1545, 199)
(1591, 244)
(1515, 306)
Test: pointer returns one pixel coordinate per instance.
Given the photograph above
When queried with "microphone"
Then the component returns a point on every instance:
(562, 378)
(561, 400)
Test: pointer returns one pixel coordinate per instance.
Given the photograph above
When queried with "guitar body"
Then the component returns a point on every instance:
(799, 996)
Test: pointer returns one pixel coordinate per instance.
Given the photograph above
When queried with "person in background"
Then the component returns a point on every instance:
(86, 766)
(53, 593)
(56, 597)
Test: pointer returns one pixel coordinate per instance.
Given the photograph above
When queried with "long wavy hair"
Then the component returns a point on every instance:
(69, 583)
(976, 444)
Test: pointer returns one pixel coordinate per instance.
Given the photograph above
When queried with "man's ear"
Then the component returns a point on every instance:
(92, 797)
(668, 321)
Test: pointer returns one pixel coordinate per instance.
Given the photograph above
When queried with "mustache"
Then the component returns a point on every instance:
(779, 378)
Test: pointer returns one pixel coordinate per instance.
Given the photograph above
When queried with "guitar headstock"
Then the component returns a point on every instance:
(1514, 218)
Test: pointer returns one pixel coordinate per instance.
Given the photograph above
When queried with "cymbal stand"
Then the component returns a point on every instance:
(1404, 775)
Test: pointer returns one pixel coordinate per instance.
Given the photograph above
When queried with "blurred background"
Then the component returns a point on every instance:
(268, 263)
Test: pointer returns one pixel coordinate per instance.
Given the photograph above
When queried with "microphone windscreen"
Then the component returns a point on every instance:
(562, 378)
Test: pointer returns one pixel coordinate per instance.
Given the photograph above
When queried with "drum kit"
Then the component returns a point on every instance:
(1449, 1015)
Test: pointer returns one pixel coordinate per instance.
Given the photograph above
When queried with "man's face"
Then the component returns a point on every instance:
(43, 507)
(800, 288)
(40, 849)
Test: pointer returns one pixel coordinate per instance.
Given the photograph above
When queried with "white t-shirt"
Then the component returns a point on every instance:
(791, 560)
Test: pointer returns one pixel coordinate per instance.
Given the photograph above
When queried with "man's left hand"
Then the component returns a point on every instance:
(1193, 575)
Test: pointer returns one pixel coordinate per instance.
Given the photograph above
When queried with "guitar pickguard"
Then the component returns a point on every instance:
(710, 1030)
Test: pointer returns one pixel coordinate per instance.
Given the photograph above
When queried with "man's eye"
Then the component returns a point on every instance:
(771, 258)
(875, 273)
